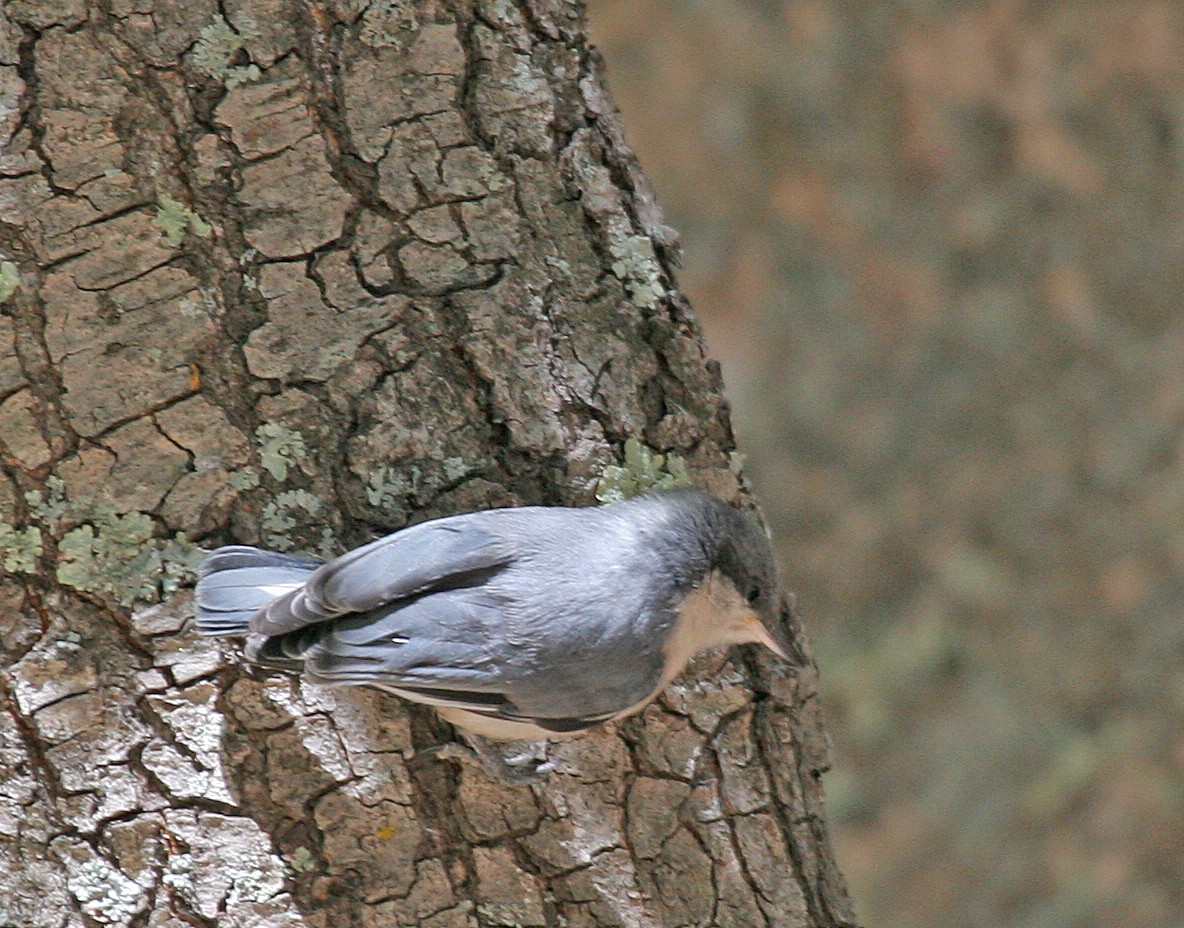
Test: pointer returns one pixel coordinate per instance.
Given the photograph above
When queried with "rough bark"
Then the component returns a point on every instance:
(295, 273)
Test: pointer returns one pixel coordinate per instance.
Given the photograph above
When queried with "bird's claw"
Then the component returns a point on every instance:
(527, 767)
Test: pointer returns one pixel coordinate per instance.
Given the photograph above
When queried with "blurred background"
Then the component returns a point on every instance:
(938, 247)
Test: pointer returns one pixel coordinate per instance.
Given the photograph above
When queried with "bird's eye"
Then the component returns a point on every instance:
(754, 594)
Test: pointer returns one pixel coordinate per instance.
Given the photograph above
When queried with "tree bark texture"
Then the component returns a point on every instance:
(295, 273)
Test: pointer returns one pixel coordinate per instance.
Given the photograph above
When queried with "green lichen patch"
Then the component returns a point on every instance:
(19, 548)
(386, 488)
(49, 505)
(119, 556)
(636, 266)
(286, 512)
(279, 449)
(219, 45)
(114, 554)
(175, 217)
(328, 547)
(245, 479)
(389, 489)
(642, 470)
(243, 75)
(302, 860)
(10, 279)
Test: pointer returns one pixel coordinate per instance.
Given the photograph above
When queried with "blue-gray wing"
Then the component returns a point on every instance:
(450, 552)
(462, 648)
(439, 648)
(448, 638)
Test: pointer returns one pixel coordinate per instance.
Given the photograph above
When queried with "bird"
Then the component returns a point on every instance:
(526, 623)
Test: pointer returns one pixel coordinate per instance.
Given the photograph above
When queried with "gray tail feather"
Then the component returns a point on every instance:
(237, 581)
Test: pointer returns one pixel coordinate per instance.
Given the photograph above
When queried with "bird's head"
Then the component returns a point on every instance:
(755, 608)
(738, 595)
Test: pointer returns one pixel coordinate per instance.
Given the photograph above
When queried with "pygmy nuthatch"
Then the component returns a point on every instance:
(529, 623)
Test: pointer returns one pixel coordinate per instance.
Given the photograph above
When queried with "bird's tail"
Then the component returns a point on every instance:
(237, 581)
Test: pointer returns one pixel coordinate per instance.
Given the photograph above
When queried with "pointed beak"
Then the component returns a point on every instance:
(779, 639)
(775, 642)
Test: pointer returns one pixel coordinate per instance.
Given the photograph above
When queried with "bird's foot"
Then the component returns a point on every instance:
(527, 767)
(533, 763)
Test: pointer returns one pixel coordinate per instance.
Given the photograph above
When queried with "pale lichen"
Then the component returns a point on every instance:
(328, 547)
(386, 488)
(19, 548)
(118, 555)
(302, 860)
(245, 479)
(10, 279)
(636, 266)
(174, 217)
(284, 513)
(642, 470)
(219, 45)
(49, 505)
(279, 449)
(115, 553)
(454, 468)
(244, 75)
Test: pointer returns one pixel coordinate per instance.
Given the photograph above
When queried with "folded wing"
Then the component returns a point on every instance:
(446, 553)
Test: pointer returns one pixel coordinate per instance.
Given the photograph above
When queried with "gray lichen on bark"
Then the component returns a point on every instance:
(296, 273)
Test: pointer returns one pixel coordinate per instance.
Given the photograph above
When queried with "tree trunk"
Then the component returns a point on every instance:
(295, 274)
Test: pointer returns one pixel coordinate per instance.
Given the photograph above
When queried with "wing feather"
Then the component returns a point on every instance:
(450, 552)
(446, 640)
(406, 563)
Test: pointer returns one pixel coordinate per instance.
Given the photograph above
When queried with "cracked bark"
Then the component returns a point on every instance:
(295, 273)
